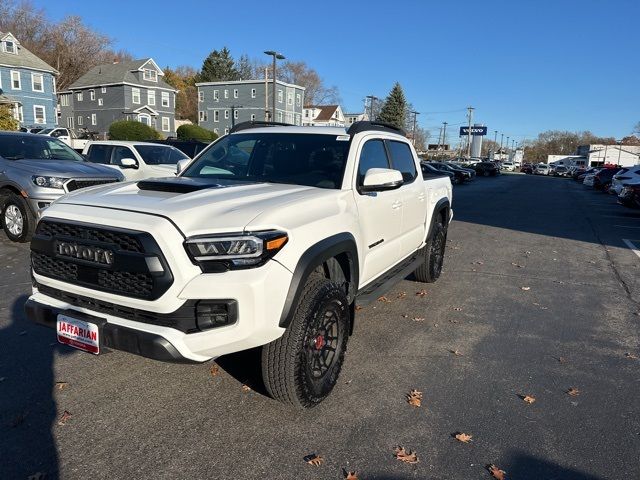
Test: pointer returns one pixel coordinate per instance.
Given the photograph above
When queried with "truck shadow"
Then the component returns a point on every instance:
(27, 405)
(245, 367)
(527, 467)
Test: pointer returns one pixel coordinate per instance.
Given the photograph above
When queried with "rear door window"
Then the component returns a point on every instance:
(402, 159)
(99, 154)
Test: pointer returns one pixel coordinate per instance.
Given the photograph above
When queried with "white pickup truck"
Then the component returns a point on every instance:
(269, 237)
(67, 136)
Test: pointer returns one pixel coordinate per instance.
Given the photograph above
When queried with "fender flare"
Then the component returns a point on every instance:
(311, 259)
(442, 204)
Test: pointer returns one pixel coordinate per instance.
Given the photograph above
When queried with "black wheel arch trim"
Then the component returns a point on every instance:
(442, 204)
(315, 256)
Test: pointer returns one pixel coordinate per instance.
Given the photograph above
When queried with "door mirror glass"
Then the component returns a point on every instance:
(129, 163)
(381, 179)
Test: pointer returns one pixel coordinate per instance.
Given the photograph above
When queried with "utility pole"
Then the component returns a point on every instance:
(266, 95)
(439, 136)
(469, 132)
(507, 145)
(444, 135)
(372, 99)
(415, 119)
(276, 56)
(619, 151)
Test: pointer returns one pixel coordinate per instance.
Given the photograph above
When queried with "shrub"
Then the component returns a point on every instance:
(195, 132)
(7, 122)
(132, 130)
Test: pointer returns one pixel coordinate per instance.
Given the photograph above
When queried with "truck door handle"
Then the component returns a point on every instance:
(421, 197)
(396, 205)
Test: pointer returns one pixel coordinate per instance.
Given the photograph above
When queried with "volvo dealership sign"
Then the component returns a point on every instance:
(475, 130)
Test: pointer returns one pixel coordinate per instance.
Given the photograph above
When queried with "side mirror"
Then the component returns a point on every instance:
(381, 179)
(129, 163)
(181, 165)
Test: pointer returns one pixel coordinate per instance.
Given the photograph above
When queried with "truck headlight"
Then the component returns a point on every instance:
(49, 182)
(218, 253)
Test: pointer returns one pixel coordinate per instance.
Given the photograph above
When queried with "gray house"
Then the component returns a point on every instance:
(131, 90)
(223, 104)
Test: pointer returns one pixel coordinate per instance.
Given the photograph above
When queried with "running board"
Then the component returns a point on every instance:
(386, 282)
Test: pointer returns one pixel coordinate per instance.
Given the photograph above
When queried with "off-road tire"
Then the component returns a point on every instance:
(289, 363)
(28, 220)
(433, 254)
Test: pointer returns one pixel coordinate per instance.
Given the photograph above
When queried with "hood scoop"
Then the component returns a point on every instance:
(176, 185)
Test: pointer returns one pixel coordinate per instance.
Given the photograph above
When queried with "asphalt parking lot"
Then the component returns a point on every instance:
(540, 294)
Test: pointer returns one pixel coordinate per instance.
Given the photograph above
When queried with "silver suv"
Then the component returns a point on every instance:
(35, 170)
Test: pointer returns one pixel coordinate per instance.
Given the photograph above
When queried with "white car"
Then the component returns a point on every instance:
(541, 169)
(508, 166)
(269, 237)
(589, 179)
(136, 160)
(629, 175)
(65, 135)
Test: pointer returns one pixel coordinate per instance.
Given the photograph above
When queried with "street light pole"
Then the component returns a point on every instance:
(469, 132)
(619, 151)
(501, 138)
(415, 118)
(372, 99)
(275, 56)
(444, 135)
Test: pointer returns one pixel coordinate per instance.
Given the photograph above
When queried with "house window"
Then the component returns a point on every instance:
(215, 95)
(216, 116)
(165, 99)
(235, 114)
(103, 89)
(20, 114)
(100, 102)
(144, 118)
(135, 96)
(202, 116)
(150, 75)
(165, 124)
(253, 93)
(79, 96)
(39, 114)
(94, 119)
(226, 93)
(226, 131)
(235, 93)
(200, 96)
(289, 117)
(79, 120)
(69, 122)
(37, 82)
(9, 47)
(253, 117)
(15, 80)
(92, 95)
(298, 99)
(280, 96)
(290, 98)
(279, 116)
(64, 100)
(151, 97)
(226, 114)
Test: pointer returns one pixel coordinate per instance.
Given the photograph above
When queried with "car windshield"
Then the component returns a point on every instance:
(160, 154)
(17, 147)
(311, 159)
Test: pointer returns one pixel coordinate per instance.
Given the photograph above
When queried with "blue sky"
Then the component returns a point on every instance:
(526, 66)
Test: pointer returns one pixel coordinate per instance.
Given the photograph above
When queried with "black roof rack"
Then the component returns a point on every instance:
(257, 123)
(363, 126)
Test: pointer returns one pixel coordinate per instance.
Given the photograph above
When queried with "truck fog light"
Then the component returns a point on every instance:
(216, 313)
(154, 265)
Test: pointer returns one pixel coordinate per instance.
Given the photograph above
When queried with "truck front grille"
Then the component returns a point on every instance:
(107, 259)
(77, 184)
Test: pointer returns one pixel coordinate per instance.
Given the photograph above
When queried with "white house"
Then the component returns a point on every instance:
(323, 116)
(598, 155)
(350, 118)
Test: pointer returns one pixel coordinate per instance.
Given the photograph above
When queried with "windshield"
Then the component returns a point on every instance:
(17, 147)
(160, 154)
(315, 160)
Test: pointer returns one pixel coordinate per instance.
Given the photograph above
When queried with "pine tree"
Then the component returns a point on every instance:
(218, 67)
(394, 108)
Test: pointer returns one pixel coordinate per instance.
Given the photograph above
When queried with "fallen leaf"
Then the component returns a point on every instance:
(406, 456)
(453, 321)
(528, 399)
(313, 459)
(463, 437)
(457, 309)
(631, 355)
(401, 295)
(496, 472)
(456, 353)
(525, 288)
(414, 398)
(573, 391)
(66, 416)
(421, 293)
(517, 265)
(348, 382)
(214, 370)
(61, 385)
(358, 308)
(384, 299)
(418, 319)
(405, 316)
(350, 475)
(562, 359)
(18, 419)
(246, 388)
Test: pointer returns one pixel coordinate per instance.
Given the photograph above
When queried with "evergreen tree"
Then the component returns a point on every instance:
(218, 67)
(394, 109)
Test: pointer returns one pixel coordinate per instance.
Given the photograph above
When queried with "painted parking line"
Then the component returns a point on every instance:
(632, 246)
(625, 226)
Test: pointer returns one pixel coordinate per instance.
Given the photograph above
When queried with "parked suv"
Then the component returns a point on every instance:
(136, 160)
(268, 238)
(36, 170)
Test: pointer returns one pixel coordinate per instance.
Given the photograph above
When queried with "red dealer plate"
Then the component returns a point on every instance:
(79, 334)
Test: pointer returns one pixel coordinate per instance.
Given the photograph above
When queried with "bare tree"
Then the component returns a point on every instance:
(316, 92)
